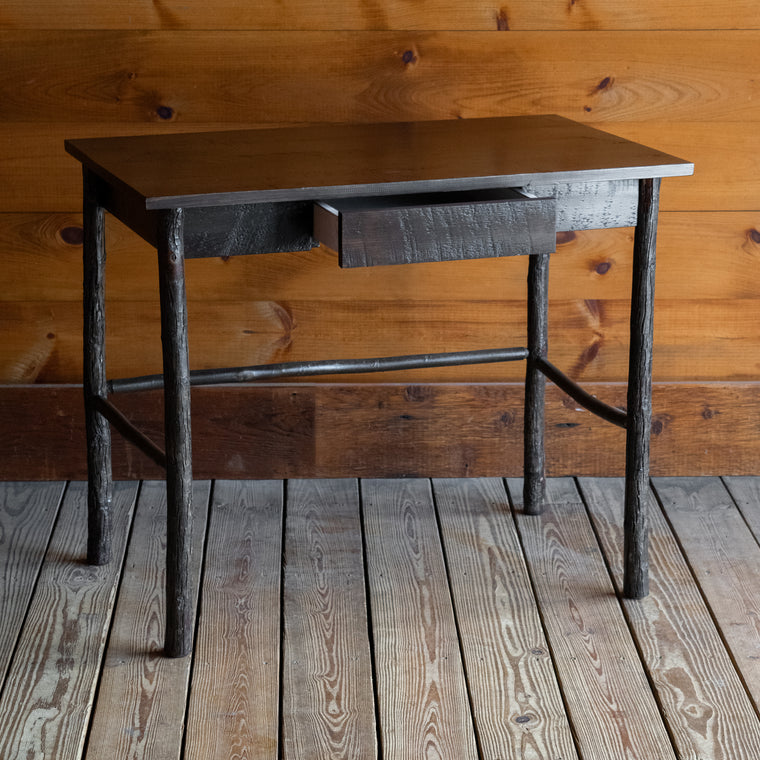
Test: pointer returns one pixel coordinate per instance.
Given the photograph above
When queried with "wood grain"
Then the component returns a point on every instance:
(690, 664)
(178, 435)
(327, 691)
(439, 228)
(723, 152)
(744, 492)
(233, 709)
(638, 419)
(27, 514)
(703, 700)
(193, 76)
(592, 648)
(41, 176)
(725, 559)
(588, 338)
(140, 710)
(517, 706)
(294, 16)
(42, 262)
(94, 379)
(45, 707)
(422, 700)
(48, 335)
(386, 430)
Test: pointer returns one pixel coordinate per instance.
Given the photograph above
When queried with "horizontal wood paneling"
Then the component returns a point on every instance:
(725, 155)
(297, 15)
(588, 338)
(42, 262)
(680, 76)
(40, 176)
(215, 76)
(386, 431)
(303, 306)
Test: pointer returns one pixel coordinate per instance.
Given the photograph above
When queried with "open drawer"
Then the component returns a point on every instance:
(403, 229)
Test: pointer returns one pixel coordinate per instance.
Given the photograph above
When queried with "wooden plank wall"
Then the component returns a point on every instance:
(681, 76)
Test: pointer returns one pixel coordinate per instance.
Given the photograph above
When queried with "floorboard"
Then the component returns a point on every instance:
(140, 710)
(422, 702)
(725, 558)
(386, 620)
(517, 705)
(595, 656)
(328, 701)
(50, 685)
(27, 514)
(234, 697)
(700, 693)
(746, 495)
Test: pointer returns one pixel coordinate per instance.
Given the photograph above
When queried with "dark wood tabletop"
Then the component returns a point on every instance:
(334, 160)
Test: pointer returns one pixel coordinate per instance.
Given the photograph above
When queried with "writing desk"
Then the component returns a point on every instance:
(378, 194)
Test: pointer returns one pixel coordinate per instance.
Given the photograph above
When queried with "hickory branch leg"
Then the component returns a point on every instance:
(179, 475)
(99, 478)
(534, 484)
(636, 582)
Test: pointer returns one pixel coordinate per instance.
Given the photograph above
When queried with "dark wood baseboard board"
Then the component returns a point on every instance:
(378, 430)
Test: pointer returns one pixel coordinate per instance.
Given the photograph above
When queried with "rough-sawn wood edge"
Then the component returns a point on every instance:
(385, 430)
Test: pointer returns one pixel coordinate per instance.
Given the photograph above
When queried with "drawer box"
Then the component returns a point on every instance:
(404, 229)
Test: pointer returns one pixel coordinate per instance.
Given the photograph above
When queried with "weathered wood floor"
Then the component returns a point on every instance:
(385, 619)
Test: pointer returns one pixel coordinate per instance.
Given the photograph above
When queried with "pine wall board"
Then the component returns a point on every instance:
(228, 76)
(680, 76)
(353, 15)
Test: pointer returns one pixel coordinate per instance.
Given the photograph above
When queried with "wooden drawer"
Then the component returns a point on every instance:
(404, 229)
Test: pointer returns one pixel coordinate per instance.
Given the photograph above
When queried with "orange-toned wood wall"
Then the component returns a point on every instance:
(681, 76)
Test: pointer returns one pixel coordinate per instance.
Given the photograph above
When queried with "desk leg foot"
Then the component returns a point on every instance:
(534, 483)
(179, 476)
(99, 478)
(636, 548)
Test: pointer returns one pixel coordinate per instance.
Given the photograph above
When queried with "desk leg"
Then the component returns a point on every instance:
(636, 582)
(534, 483)
(179, 476)
(99, 478)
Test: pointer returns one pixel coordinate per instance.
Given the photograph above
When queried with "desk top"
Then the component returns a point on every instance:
(332, 160)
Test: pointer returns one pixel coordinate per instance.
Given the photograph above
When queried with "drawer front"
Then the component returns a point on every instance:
(247, 229)
(435, 227)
